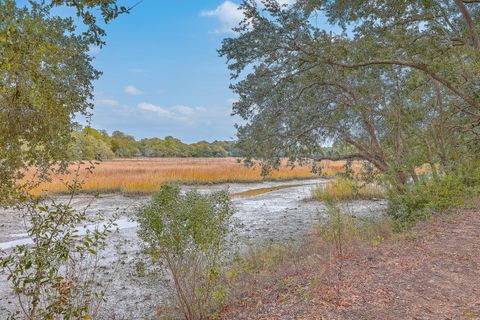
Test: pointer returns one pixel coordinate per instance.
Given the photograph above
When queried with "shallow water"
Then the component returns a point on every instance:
(280, 215)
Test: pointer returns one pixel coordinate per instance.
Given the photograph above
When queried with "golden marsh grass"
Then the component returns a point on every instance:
(143, 176)
(342, 189)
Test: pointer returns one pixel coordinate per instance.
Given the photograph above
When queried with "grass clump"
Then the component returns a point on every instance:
(266, 258)
(342, 229)
(346, 189)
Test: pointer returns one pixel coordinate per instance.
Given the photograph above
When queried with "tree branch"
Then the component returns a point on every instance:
(352, 156)
(422, 67)
(470, 24)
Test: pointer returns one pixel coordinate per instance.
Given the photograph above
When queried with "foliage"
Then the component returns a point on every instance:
(55, 277)
(425, 197)
(124, 146)
(442, 32)
(89, 143)
(172, 147)
(390, 85)
(47, 79)
(85, 9)
(188, 234)
(207, 150)
(469, 173)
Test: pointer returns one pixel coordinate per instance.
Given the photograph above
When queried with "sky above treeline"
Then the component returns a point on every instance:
(162, 74)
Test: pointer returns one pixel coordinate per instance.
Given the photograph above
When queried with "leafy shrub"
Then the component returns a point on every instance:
(426, 197)
(55, 276)
(469, 173)
(188, 235)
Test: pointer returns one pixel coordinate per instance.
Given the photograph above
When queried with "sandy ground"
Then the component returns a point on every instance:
(282, 215)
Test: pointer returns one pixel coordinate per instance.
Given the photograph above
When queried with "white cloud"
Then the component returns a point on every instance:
(157, 109)
(184, 110)
(200, 109)
(228, 14)
(132, 90)
(107, 102)
(179, 113)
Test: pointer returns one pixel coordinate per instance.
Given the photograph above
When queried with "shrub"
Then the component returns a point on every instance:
(189, 236)
(425, 197)
(55, 276)
(469, 172)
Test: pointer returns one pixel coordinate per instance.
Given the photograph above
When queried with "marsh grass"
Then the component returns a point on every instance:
(344, 189)
(145, 176)
(260, 191)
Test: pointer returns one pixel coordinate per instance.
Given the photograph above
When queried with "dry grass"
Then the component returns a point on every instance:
(288, 276)
(143, 176)
(341, 189)
(331, 168)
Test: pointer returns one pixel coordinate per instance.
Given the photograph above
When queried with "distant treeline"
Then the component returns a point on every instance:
(90, 143)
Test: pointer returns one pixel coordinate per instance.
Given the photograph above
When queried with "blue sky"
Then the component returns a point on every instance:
(162, 74)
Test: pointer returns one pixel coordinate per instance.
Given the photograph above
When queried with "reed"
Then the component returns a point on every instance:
(143, 176)
(343, 189)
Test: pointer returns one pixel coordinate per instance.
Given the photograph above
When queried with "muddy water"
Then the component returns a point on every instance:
(279, 215)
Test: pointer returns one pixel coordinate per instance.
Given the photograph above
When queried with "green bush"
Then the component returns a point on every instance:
(470, 174)
(55, 277)
(426, 197)
(189, 236)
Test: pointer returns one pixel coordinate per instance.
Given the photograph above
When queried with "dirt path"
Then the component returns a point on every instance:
(432, 274)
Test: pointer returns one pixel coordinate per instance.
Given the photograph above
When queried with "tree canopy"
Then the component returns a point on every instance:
(399, 84)
(46, 79)
(91, 144)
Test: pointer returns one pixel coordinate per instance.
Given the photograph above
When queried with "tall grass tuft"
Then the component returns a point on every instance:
(344, 189)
